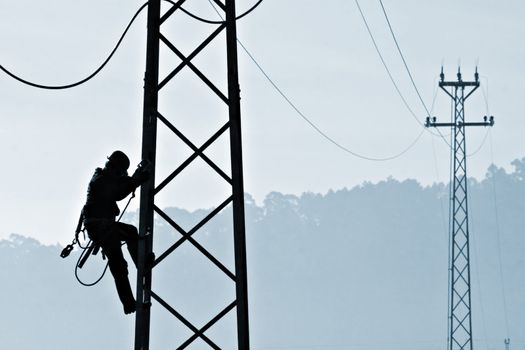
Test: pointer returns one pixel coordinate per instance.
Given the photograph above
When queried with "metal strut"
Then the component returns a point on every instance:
(460, 315)
(146, 261)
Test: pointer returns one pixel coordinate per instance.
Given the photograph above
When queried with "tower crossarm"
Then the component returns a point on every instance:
(459, 313)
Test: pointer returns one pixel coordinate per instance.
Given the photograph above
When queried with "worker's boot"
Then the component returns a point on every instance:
(125, 294)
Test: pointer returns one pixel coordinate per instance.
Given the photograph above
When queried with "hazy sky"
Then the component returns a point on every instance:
(320, 56)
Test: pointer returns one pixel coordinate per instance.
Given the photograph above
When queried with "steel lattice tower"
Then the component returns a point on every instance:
(460, 316)
(146, 260)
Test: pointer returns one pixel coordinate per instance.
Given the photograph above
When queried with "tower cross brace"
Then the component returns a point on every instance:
(460, 315)
(146, 260)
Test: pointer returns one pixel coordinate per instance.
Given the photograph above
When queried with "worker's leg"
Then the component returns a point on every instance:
(130, 235)
(119, 269)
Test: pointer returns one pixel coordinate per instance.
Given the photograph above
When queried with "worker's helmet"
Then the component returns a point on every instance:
(118, 161)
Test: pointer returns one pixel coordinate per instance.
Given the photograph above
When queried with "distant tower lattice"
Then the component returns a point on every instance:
(507, 343)
(231, 101)
(460, 316)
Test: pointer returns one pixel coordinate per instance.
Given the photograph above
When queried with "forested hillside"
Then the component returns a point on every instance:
(359, 268)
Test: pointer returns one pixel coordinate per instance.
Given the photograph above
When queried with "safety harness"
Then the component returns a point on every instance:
(91, 248)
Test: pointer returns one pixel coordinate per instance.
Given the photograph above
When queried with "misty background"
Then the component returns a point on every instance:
(320, 55)
(343, 253)
(357, 268)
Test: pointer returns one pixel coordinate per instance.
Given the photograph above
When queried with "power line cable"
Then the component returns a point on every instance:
(480, 145)
(80, 82)
(403, 58)
(385, 65)
(92, 75)
(434, 95)
(309, 121)
(322, 133)
(486, 93)
(484, 140)
(58, 87)
(216, 22)
(408, 70)
(444, 219)
(485, 97)
(439, 134)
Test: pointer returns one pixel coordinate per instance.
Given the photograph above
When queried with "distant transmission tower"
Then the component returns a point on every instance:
(230, 99)
(460, 316)
(507, 343)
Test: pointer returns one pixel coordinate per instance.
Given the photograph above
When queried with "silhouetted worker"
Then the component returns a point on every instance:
(107, 186)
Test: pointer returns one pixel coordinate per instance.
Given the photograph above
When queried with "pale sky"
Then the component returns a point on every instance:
(320, 56)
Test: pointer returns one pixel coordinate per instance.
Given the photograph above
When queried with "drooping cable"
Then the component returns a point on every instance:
(408, 70)
(321, 132)
(403, 58)
(436, 169)
(371, 35)
(312, 124)
(80, 82)
(446, 222)
(385, 65)
(97, 71)
(198, 18)
(485, 93)
(484, 140)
